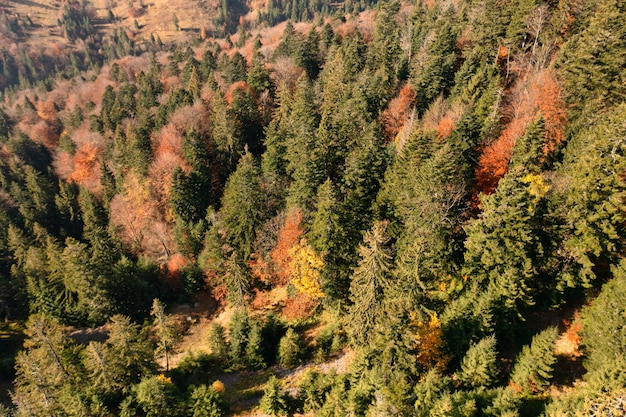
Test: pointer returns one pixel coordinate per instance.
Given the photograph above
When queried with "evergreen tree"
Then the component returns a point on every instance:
(241, 206)
(237, 280)
(290, 349)
(604, 335)
(370, 282)
(239, 330)
(533, 368)
(166, 332)
(298, 125)
(505, 247)
(273, 401)
(206, 402)
(254, 348)
(217, 341)
(156, 395)
(479, 367)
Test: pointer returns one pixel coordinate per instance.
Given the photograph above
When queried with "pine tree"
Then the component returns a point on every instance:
(44, 369)
(254, 348)
(603, 332)
(300, 140)
(505, 246)
(237, 280)
(156, 395)
(206, 402)
(239, 329)
(217, 341)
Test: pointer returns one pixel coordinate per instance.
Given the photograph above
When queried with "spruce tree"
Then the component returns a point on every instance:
(273, 401)
(534, 366)
(290, 349)
(241, 206)
(479, 366)
(370, 282)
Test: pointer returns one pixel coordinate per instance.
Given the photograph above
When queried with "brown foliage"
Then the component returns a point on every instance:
(299, 307)
(63, 164)
(288, 237)
(87, 160)
(239, 85)
(549, 99)
(285, 71)
(430, 345)
(138, 222)
(532, 96)
(171, 272)
(397, 112)
(569, 342)
(195, 117)
(261, 269)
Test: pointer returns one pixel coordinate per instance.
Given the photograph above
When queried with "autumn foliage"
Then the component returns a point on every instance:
(288, 237)
(397, 112)
(532, 96)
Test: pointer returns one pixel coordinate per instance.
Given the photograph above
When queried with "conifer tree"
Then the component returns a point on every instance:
(241, 206)
(217, 341)
(604, 335)
(273, 401)
(165, 330)
(206, 402)
(301, 149)
(254, 348)
(239, 329)
(533, 368)
(479, 367)
(370, 282)
(290, 349)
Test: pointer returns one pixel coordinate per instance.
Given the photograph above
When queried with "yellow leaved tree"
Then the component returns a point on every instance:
(306, 268)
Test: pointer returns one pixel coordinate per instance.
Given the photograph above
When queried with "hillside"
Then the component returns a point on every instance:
(312, 208)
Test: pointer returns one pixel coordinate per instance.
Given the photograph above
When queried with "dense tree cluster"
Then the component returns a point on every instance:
(433, 190)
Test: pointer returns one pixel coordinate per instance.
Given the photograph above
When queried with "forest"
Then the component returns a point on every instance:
(313, 208)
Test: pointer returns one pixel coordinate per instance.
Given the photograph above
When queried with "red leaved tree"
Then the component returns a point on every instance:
(397, 112)
(288, 237)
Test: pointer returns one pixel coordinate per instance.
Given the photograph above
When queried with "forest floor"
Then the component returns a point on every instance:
(153, 17)
(244, 389)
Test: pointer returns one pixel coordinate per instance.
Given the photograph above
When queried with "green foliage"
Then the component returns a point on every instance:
(604, 335)
(479, 366)
(156, 396)
(273, 401)
(370, 283)
(291, 349)
(241, 206)
(239, 329)
(534, 366)
(599, 49)
(217, 341)
(506, 246)
(166, 331)
(254, 348)
(206, 402)
(589, 206)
